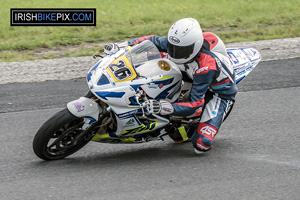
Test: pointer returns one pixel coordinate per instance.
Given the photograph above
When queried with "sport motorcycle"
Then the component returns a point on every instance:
(112, 111)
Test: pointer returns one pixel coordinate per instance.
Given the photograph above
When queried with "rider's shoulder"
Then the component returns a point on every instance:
(215, 43)
(206, 61)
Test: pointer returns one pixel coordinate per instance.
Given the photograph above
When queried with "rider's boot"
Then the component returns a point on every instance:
(203, 137)
(201, 143)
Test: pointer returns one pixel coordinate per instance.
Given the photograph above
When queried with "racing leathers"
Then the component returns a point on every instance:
(213, 87)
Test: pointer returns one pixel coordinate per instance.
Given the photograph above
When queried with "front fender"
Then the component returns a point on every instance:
(84, 107)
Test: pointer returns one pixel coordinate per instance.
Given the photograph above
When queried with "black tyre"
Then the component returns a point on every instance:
(58, 137)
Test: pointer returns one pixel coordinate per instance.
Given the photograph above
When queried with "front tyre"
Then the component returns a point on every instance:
(58, 137)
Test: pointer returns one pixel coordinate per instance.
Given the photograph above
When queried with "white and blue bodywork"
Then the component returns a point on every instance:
(243, 60)
(117, 79)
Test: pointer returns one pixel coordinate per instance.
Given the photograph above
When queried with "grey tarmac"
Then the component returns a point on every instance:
(255, 155)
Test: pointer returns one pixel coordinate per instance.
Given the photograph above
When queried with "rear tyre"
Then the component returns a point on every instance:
(58, 137)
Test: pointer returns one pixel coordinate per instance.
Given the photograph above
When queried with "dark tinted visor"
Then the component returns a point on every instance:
(179, 52)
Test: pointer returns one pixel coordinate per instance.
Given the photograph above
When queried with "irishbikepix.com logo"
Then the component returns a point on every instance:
(52, 17)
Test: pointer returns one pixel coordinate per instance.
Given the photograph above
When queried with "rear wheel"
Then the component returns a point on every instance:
(58, 137)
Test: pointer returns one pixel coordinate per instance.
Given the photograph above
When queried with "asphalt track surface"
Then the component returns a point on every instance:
(255, 155)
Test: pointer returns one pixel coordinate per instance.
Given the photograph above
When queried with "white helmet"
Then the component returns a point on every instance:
(185, 40)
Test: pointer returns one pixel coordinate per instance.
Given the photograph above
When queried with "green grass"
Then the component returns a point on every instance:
(117, 20)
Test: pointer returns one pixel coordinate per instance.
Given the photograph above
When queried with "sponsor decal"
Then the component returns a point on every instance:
(232, 58)
(244, 71)
(207, 131)
(164, 55)
(155, 86)
(202, 147)
(202, 70)
(130, 122)
(127, 114)
(139, 129)
(79, 107)
(174, 39)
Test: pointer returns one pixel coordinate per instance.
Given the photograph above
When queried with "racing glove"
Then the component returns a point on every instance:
(158, 107)
(111, 48)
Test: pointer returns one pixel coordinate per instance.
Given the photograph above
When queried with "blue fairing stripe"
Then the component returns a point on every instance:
(164, 82)
(110, 94)
(89, 75)
(103, 80)
(135, 87)
(164, 93)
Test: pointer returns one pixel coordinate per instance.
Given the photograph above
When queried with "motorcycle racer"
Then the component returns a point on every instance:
(203, 61)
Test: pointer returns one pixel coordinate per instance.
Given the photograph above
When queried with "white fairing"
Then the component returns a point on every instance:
(84, 107)
(153, 72)
(129, 77)
(243, 60)
(117, 79)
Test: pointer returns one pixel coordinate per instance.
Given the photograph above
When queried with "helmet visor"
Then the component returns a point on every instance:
(179, 52)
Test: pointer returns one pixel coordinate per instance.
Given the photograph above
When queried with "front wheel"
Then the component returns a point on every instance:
(58, 137)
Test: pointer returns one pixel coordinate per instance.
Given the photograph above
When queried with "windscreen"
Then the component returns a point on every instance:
(142, 53)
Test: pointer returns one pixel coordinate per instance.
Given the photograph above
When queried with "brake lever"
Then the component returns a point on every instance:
(97, 54)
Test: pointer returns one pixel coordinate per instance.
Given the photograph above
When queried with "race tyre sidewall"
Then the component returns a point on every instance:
(48, 130)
